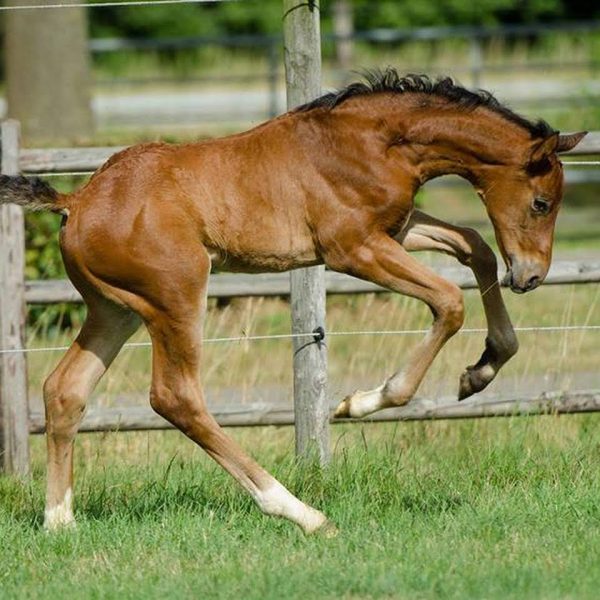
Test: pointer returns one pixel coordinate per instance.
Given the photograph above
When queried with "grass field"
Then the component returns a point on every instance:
(506, 508)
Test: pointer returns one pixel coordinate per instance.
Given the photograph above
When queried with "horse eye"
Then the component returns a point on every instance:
(540, 206)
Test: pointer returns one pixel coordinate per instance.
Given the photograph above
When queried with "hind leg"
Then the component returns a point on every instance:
(66, 390)
(175, 325)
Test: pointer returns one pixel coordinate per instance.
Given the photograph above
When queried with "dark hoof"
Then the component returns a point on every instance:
(472, 381)
(464, 386)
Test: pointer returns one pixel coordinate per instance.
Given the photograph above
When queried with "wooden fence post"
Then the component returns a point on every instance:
(14, 409)
(302, 46)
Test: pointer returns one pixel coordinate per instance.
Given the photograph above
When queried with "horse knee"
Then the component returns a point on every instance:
(450, 311)
(64, 403)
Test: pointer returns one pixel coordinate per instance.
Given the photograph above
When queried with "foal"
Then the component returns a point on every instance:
(331, 182)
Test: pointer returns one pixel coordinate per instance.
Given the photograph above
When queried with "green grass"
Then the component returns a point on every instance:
(506, 508)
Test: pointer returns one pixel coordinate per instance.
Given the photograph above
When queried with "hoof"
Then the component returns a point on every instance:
(474, 380)
(465, 389)
(360, 404)
(55, 527)
(328, 530)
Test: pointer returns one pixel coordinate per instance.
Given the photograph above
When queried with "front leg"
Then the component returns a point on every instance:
(423, 232)
(385, 262)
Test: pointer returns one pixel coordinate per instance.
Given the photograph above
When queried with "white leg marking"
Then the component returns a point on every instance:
(61, 514)
(276, 500)
(365, 403)
(487, 372)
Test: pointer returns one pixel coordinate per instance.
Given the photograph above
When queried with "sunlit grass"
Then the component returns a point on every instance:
(484, 509)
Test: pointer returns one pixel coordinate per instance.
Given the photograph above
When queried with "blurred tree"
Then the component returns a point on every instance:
(47, 73)
(260, 17)
(254, 16)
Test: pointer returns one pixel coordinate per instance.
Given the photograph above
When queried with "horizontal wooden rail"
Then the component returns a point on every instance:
(229, 285)
(65, 159)
(89, 159)
(256, 414)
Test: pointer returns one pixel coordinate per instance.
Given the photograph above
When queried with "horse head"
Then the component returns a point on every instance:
(522, 200)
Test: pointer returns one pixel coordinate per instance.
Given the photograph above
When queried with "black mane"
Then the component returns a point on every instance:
(388, 80)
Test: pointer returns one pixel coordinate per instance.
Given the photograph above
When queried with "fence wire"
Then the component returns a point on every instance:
(107, 4)
(569, 163)
(312, 334)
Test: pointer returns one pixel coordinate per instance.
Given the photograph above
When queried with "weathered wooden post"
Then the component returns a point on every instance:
(302, 46)
(14, 409)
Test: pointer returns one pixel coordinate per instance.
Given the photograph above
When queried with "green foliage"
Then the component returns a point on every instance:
(188, 20)
(259, 17)
(43, 261)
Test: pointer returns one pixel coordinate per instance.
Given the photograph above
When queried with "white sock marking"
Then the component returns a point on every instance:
(61, 514)
(365, 403)
(276, 500)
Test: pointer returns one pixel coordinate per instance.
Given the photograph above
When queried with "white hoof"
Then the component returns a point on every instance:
(360, 404)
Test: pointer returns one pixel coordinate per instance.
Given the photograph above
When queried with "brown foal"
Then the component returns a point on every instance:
(332, 182)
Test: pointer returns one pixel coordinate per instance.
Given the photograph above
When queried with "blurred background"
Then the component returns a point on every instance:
(119, 75)
(205, 69)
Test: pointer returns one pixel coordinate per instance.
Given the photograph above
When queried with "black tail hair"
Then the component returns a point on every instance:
(30, 192)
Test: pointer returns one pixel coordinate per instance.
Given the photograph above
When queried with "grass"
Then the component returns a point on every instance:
(506, 508)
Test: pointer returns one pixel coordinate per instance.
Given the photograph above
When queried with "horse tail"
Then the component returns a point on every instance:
(30, 192)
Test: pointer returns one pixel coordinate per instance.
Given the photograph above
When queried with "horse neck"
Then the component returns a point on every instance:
(452, 141)
(437, 139)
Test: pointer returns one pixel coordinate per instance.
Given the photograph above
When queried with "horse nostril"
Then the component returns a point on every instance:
(532, 283)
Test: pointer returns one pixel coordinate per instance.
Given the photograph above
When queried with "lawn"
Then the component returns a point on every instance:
(504, 508)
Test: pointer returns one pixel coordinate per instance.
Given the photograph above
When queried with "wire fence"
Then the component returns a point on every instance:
(107, 4)
(313, 334)
(309, 335)
(566, 163)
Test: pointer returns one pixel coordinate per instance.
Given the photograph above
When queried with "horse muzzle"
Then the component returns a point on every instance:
(524, 277)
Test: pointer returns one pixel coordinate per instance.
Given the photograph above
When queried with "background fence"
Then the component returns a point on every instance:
(263, 88)
(18, 421)
(192, 95)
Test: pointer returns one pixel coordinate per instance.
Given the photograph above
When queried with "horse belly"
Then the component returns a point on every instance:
(261, 262)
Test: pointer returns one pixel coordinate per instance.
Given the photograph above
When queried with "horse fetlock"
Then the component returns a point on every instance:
(60, 515)
(509, 346)
(499, 349)
(277, 501)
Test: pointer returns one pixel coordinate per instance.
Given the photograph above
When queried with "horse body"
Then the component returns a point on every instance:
(332, 182)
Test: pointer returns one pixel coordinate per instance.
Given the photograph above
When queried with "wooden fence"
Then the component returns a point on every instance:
(17, 421)
(302, 56)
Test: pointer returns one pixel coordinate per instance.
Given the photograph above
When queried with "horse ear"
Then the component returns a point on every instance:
(569, 141)
(543, 148)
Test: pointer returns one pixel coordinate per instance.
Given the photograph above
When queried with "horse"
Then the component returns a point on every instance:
(332, 182)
